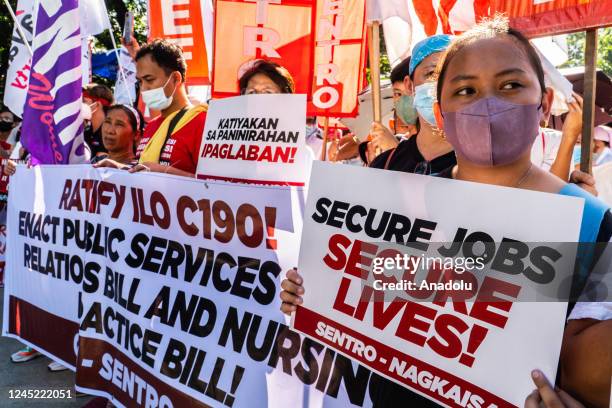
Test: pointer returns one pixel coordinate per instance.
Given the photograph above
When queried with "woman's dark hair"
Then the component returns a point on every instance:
(278, 74)
(135, 122)
(99, 93)
(488, 28)
(401, 71)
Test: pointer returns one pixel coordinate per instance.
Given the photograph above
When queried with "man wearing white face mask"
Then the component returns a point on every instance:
(171, 142)
(95, 99)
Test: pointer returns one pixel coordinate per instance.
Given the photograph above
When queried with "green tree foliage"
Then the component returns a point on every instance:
(102, 42)
(6, 33)
(576, 44)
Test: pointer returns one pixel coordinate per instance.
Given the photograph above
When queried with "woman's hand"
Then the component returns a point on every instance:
(382, 138)
(149, 166)
(584, 180)
(9, 168)
(292, 291)
(548, 397)
(572, 125)
(111, 164)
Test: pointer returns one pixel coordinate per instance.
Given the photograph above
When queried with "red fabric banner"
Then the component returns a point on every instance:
(182, 22)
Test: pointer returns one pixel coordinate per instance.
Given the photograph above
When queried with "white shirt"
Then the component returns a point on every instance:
(592, 310)
(545, 148)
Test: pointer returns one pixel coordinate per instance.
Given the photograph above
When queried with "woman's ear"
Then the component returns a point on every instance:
(547, 101)
(438, 115)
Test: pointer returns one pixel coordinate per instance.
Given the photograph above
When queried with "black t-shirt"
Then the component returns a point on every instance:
(406, 157)
(94, 140)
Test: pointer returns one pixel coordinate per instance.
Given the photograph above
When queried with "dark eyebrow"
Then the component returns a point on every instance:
(461, 77)
(510, 71)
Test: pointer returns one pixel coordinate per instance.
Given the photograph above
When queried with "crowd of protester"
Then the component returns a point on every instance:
(491, 72)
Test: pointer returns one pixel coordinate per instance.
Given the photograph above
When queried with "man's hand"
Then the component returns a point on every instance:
(132, 47)
(584, 180)
(548, 397)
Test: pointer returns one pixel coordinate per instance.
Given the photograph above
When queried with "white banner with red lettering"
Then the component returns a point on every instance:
(173, 284)
(463, 315)
(256, 139)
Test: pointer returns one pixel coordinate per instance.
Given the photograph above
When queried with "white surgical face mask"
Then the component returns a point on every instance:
(86, 112)
(157, 99)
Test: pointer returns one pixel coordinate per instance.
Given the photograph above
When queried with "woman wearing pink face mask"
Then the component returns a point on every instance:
(491, 98)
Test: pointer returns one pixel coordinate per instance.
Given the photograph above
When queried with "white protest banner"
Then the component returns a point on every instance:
(257, 139)
(446, 330)
(174, 285)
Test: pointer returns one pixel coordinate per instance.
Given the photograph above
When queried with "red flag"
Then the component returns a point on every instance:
(339, 58)
(185, 25)
(248, 29)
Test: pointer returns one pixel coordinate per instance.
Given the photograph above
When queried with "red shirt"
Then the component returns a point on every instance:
(4, 179)
(182, 150)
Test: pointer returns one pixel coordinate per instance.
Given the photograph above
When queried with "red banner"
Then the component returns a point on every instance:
(339, 58)
(323, 48)
(247, 29)
(182, 22)
(536, 18)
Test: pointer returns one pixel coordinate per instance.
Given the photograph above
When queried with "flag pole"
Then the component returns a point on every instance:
(325, 130)
(588, 118)
(18, 27)
(374, 54)
(374, 42)
(121, 71)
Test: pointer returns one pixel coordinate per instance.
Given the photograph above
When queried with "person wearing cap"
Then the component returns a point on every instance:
(403, 99)
(601, 145)
(96, 98)
(427, 152)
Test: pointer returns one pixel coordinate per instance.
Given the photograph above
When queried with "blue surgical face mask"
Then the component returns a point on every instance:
(576, 154)
(424, 98)
(404, 108)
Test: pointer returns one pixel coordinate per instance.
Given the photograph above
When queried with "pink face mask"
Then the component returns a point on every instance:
(492, 131)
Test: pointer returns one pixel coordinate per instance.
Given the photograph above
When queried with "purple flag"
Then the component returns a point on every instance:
(52, 129)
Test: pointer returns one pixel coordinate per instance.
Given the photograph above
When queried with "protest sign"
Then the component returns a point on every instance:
(246, 30)
(184, 23)
(339, 58)
(174, 285)
(455, 352)
(257, 139)
(540, 18)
